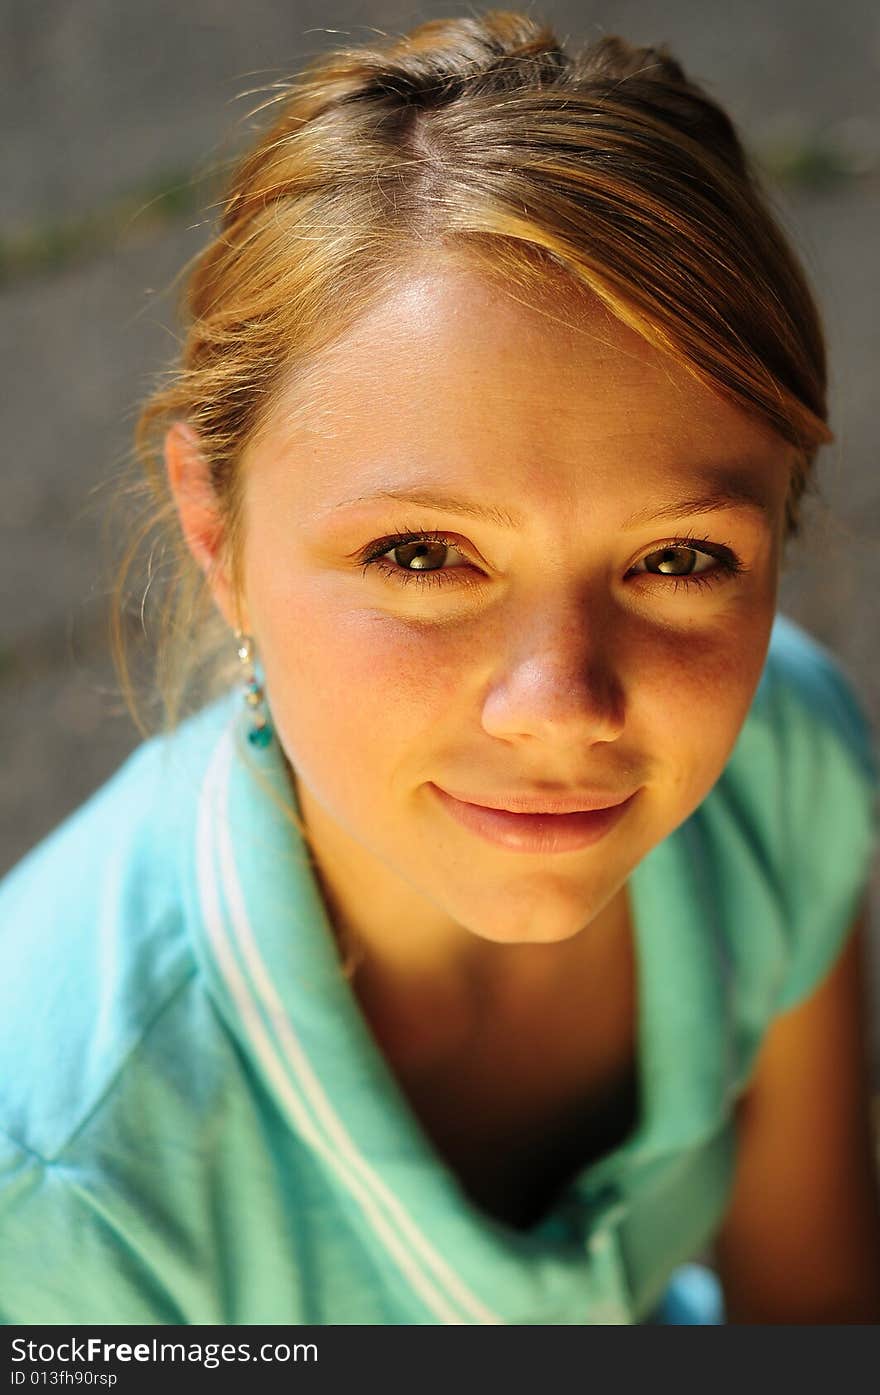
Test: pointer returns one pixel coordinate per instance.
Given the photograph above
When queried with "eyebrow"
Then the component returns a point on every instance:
(427, 498)
(730, 490)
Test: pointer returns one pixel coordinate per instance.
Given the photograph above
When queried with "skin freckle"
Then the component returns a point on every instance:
(551, 674)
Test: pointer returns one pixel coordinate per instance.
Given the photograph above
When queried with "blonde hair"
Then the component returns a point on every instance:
(608, 167)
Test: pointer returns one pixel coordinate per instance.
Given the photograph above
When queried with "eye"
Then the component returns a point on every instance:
(422, 556)
(679, 560)
(419, 557)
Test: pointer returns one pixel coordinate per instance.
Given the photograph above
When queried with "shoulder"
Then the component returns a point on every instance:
(93, 943)
(806, 714)
(790, 828)
(822, 782)
(807, 695)
(804, 767)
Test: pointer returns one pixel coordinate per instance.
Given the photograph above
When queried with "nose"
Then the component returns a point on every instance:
(556, 682)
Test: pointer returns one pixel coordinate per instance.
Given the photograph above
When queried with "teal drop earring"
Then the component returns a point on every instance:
(260, 734)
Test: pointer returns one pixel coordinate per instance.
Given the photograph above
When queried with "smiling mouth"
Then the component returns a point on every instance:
(534, 832)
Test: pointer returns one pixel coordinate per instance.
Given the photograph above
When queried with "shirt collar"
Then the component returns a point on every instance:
(268, 954)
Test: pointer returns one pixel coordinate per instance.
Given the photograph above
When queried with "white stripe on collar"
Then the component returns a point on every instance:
(258, 1004)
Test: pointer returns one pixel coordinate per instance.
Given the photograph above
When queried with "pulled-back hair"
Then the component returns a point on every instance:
(607, 167)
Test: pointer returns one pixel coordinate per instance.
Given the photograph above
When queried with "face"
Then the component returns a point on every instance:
(575, 622)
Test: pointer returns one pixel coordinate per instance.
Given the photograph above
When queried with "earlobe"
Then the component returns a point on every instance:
(190, 483)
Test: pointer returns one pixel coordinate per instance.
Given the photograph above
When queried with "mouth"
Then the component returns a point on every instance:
(534, 832)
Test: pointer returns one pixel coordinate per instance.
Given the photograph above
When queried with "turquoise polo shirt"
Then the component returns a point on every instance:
(196, 1125)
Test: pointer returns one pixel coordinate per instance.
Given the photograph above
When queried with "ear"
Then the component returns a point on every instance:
(190, 481)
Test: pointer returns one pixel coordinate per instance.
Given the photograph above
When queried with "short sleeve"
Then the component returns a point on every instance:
(830, 768)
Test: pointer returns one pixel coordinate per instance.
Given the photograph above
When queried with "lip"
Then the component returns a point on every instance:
(538, 833)
(546, 804)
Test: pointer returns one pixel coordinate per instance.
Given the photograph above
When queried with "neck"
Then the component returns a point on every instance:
(426, 984)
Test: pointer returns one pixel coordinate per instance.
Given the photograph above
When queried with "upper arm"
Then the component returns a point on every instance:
(800, 1241)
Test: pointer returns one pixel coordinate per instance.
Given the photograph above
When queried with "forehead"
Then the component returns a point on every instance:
(453, 374)
(454, 324)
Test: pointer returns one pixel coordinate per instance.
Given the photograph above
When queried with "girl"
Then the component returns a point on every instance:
(496, 949)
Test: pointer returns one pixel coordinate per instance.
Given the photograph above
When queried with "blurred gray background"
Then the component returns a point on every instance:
(110, 116)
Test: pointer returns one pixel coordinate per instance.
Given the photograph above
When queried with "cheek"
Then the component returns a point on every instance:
(349, 689)
(692, 697)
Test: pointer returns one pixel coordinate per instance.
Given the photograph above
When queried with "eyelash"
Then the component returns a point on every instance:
(729, 564)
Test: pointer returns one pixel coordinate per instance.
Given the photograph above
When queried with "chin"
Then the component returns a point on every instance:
(545, 924)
